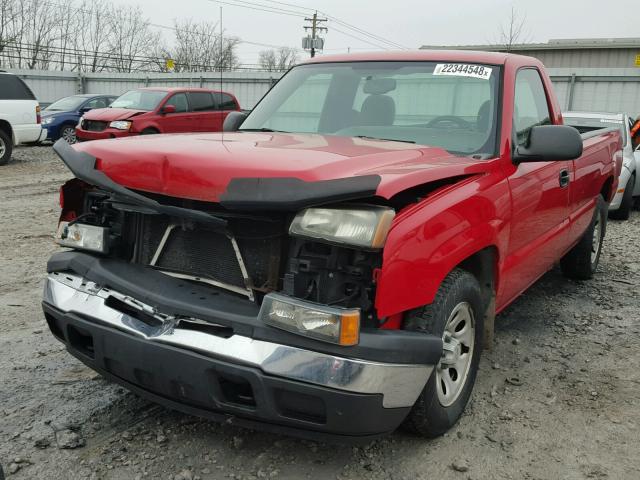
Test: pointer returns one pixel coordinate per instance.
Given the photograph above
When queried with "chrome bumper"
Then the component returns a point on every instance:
(400, 384)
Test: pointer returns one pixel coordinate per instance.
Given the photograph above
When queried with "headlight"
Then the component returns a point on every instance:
(47, 120)
(120, 125)
(80, 122)
(365, 226)
(85, 237)
(331, 324)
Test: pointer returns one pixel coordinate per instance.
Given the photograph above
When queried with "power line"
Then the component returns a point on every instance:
(345, 24)
(259, 7)
(359, 38)
(365, 32)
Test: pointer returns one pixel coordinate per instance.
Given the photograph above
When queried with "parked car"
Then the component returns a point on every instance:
(61, 117)
(158, 110)
(330, 263)
(628, 183)
(19, 115)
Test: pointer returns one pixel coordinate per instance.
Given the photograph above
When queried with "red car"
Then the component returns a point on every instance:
(332, 264)
(158, 110)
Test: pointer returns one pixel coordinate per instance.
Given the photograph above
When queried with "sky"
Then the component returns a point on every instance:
(407, 23)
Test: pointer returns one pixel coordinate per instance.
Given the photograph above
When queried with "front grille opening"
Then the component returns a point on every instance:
(81, 340)
(300, 406)
(54, 327)
(211, 329)
(119, 305)
(237, 390)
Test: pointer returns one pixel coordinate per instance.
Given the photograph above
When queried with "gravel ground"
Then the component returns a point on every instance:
(557, 398)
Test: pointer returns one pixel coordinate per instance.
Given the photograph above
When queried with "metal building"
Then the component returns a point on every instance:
(591, 74)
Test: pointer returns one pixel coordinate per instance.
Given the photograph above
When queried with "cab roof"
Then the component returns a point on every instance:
(465, 56)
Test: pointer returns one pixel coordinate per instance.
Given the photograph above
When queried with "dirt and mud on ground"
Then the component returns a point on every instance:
(557, 398)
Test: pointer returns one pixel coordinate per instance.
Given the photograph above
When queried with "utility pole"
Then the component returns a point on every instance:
(314, 41)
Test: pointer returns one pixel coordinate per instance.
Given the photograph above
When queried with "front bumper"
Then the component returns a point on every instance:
(86, 135)
(193, 366)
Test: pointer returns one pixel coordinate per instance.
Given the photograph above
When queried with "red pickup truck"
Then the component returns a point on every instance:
(332, 263)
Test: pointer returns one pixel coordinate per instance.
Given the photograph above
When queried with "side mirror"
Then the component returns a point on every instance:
(233, 121)
(84, 110)
(548, 143)
(169, 109)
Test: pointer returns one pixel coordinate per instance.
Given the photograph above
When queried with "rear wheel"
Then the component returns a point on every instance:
(623, 212)
(68, 133)
(582, 260)
(456, 314)
(6, 147)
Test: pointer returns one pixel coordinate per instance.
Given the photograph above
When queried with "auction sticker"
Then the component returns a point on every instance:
(463, 70)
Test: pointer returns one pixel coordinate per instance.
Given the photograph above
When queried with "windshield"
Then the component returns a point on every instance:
(139, 100)
(452, 106)
(584, 125)
(66, 104)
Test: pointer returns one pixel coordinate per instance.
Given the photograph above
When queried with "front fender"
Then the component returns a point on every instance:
(432, 239)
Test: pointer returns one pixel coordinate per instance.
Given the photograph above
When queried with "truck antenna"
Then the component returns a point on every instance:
(221, 64)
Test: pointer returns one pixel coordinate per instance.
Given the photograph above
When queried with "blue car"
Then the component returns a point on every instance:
(61, 117)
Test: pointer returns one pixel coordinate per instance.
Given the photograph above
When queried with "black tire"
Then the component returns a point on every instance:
(623, 212)
(579, 263)
(68, 132)
(6, 148)
(149, 131)
(429, 417)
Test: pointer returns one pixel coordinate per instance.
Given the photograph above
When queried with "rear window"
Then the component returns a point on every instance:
(13, 88)
(224, 101)
(201, 101)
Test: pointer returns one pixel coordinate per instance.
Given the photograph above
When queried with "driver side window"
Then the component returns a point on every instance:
(96, 103)
(530, 105)
(179, 100)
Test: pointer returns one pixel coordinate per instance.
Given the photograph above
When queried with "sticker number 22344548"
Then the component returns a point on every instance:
(463, 70)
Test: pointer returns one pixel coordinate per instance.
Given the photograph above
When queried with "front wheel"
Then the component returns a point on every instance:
(68, 133)
(457, 315)
(582, 260)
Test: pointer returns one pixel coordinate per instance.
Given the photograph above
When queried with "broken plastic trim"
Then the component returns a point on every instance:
(82, 165)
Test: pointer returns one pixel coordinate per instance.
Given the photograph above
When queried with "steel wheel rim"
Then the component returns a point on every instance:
(458, 341)
(69, 135)
(596, 241)
(3, 148)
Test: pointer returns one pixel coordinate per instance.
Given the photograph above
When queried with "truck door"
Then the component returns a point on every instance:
(540, 195)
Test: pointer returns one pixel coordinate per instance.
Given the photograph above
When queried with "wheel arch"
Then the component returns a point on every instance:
(607, 189)
(6, 128)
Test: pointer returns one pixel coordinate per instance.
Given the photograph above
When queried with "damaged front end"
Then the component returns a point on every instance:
(262, 313)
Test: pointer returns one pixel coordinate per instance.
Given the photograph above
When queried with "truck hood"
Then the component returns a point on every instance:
(111, 114)
(209, 166)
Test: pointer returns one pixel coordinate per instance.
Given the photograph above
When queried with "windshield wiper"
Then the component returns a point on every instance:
(261, 130)
(367, 137)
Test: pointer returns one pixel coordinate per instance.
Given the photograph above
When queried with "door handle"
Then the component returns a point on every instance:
(564, 178)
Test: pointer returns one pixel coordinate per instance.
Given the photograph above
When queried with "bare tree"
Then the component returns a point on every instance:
(8, 13)
(514, 30)
(130, 39)
(91, 48)
(95, 35)
(40, 34)
(278, 60)
(198, 46)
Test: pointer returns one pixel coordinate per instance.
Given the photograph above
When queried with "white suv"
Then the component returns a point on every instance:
(19, 115)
